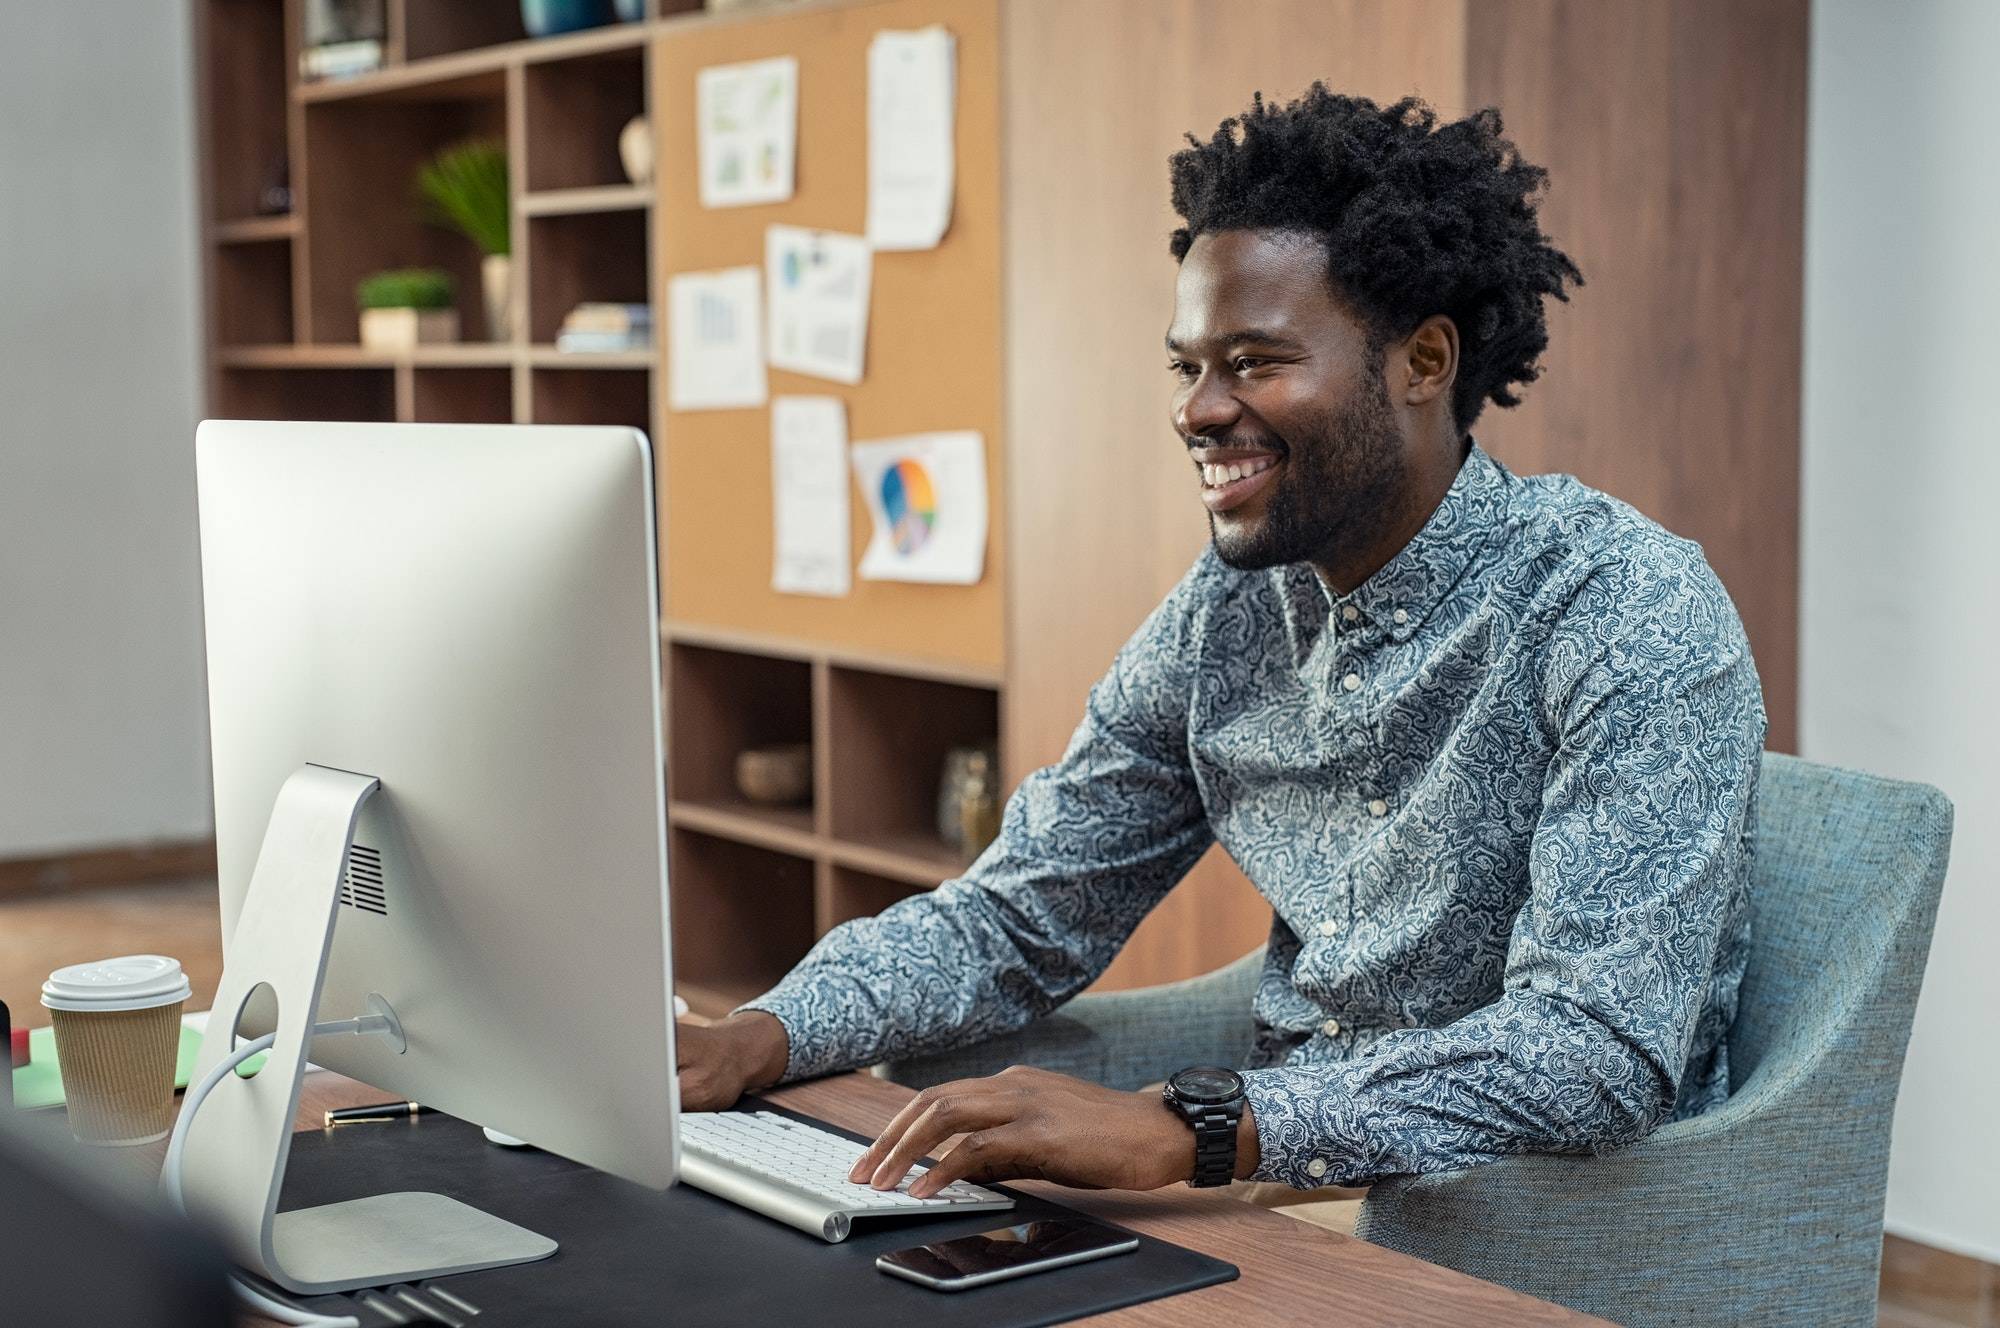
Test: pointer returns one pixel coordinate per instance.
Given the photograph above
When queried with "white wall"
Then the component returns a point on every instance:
(1900, 616)
(103, 726)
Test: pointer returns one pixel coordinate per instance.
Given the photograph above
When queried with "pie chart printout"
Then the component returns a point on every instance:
(910, 503)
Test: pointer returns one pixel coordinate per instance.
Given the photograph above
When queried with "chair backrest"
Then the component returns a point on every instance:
(1847, 871)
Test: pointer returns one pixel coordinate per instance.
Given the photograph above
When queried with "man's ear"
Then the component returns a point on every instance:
(1431, 352)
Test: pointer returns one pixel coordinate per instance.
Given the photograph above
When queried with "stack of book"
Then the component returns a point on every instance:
(340, 59)
(606, 327)
(342, 38)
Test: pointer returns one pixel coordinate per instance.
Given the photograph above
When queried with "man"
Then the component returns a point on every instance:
(1488, 744)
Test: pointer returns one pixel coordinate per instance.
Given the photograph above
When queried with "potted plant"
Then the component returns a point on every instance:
(465, 188)
(406, 307)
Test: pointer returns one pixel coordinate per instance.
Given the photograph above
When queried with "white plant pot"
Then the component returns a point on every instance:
(405, 329)
(496, 280)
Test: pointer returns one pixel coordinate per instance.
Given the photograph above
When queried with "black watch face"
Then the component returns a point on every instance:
(1203, 1085)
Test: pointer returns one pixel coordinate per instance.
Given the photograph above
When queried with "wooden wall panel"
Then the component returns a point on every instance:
(1674, 135)
(933, 359)
(1105, 515)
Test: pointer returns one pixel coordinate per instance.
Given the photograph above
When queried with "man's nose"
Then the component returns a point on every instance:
(1208, 408)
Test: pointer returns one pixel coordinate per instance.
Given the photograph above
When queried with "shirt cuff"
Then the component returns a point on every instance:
(803, 1057)
(1307, 1134)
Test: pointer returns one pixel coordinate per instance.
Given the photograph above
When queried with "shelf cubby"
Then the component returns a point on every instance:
(305, 394)
(592, 396)
(246, 59)
(364, 215)
(742, 916)
(847, 893)
(445, 27)
(253, 293)
(462, 396)
(889, 736)
(721, 702)
(575, 111)
(583, 256)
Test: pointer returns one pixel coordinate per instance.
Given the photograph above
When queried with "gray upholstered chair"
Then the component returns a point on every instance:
(1765, 1211)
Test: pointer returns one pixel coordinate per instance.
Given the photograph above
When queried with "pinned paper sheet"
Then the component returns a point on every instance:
(818, 301)
(912, 107)
(715, 343)
(747, 131)
(927, 494)
(811, 543)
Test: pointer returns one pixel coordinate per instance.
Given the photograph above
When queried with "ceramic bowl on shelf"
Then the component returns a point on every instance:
(777, 776)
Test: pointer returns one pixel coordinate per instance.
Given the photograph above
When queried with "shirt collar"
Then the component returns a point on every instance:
(1405, 589)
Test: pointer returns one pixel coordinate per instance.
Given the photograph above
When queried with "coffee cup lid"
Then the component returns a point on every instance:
(131, 982)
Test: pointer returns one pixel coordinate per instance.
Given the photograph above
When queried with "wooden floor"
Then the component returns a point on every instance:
(42, 932)
(1921, 1287)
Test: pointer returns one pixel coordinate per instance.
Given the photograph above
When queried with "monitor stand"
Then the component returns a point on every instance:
(237, 1146)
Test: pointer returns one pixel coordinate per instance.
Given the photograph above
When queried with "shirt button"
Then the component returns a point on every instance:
(1331, 1028)
(1328, 927)
(1377, 807)
(1350, 613)
(1316, 1168)
(1401, 616)
(1352, 682)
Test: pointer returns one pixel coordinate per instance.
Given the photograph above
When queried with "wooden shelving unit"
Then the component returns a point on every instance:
(868, 835)
(752, 886)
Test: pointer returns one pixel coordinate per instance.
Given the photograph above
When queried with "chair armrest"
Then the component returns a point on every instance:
(1123, 1039)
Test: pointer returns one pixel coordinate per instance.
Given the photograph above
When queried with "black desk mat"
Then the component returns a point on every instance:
(631, 1256)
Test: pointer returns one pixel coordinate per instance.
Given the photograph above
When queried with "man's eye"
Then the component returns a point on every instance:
(1180, 368)
(1246, 363)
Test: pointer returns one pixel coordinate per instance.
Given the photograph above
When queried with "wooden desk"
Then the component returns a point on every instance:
(1293, 1273)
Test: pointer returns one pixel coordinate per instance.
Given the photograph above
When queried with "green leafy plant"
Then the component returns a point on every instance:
(464, 188)
(406, 288)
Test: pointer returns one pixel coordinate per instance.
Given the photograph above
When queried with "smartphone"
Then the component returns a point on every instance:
(1016, 1251)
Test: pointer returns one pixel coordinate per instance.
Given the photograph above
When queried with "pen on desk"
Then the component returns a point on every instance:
(381, 1111)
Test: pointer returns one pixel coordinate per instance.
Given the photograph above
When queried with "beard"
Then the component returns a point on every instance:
(1342, 484)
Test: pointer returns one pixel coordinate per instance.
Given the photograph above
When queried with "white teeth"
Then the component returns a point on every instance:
(1214, 475)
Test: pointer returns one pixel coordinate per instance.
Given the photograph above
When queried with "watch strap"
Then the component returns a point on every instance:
(1214, 1143)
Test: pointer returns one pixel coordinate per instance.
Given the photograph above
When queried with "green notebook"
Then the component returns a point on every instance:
(39, 1083)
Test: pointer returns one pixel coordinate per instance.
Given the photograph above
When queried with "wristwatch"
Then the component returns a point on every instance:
(1210, 1100)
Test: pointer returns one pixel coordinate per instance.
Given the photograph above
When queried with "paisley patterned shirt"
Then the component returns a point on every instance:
(1501, 798)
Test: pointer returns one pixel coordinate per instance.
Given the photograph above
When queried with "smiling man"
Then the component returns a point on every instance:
(1488, 744)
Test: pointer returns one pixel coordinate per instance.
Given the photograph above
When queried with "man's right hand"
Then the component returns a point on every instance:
(720, 1062)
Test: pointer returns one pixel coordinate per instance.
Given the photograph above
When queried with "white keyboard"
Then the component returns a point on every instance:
(797, 1174)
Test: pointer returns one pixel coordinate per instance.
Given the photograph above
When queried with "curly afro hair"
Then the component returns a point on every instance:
(1417, 219)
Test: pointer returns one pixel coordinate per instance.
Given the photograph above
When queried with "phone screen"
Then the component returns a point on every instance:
(1007, 1252)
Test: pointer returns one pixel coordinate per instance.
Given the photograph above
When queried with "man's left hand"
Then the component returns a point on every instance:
(1032, 1124)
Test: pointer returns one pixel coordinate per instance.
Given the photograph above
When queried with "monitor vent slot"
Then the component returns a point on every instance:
(361, 884)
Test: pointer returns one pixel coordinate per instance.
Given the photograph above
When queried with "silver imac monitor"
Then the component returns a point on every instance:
(434, 694)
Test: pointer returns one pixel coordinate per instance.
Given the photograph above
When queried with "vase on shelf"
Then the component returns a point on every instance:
(546, 18)
(496, 280)
(635, 149)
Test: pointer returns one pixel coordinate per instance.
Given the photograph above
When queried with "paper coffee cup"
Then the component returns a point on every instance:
(118, 1034)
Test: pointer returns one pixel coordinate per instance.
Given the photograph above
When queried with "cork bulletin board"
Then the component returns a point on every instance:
(934, 337)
